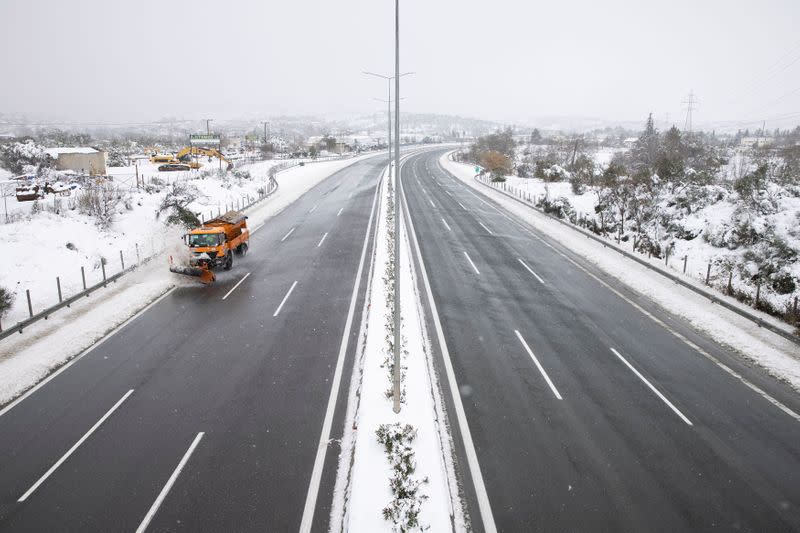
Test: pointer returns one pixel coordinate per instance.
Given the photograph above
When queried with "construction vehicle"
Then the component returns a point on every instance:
(213, 245)
(162, 158)
(172, 167)
(187, 153)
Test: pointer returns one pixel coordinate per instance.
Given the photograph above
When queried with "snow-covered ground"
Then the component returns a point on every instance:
(362, 487)
(777, 355)
(47, 344)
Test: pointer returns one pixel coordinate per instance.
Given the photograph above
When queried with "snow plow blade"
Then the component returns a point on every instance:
(206, 276)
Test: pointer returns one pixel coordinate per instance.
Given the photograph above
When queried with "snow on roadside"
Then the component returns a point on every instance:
(362, 486)
(27, 358)
(779, 356)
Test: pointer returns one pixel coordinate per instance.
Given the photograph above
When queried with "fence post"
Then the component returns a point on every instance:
(83, 277)
(58, 284)
(103, 266)
(758, 293)
(794, 309)
(666, 257)
(121, 260)
(730, 282)
(137, 253)
(685, 257)
(708, 272)
(30, 307)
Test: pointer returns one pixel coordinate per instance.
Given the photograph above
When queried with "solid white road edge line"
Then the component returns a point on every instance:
(538, 365)
(478, 272)
(322, 447)
(171, 481)
(289, 233)
(234, 287)
(278, 310)
(531, 270)
(446, 225)
(484, 506)
(74, 447)
(652, 388)
(758, 390)
(75, 359)
(322, 240)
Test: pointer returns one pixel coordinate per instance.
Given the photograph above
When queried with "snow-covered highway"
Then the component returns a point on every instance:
(226, 391)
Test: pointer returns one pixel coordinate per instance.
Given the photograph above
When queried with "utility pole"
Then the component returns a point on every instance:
(690, 104)
(208, 125)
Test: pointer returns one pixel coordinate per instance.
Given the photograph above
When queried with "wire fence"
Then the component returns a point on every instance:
(108, 271)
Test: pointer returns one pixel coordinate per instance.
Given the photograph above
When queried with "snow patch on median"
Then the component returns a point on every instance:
(362, 486)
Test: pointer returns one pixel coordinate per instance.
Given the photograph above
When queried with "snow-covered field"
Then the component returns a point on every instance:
(778, 356)
(362, 487)
(29, 357)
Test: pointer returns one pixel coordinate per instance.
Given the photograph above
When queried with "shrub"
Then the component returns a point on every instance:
(175, 205)
(99, 202)
(404, 509)
(6, 301)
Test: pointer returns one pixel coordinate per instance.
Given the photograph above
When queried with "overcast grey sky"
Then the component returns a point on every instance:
(108, 60)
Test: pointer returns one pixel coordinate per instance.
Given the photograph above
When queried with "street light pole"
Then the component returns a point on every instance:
(389, 116)
(398, 270)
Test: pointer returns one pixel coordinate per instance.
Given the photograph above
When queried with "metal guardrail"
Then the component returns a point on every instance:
(21, 325)
(714, 298)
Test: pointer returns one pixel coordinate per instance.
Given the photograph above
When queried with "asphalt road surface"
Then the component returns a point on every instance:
(230, 389)
(586, 414)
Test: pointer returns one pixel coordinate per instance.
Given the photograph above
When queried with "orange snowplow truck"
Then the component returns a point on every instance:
(213, 245)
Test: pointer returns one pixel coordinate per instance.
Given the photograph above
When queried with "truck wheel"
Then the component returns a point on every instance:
(228, 261)
(241, 249)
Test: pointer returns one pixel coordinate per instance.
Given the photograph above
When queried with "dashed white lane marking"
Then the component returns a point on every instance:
(446, 225)
(340, 211)
(278, 310)
(484, 505)
(462, 205)
(758, 390)
(538, 365)
(652, 388)
(287, 235)
(322, 240)
(234, 287)
(74, 447)
(531, 271)
(484, 227)
(170, 482)
(471, 263)
(324, 438)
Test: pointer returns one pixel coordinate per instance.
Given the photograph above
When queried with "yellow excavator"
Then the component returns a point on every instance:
(184, 157)
(186, 154)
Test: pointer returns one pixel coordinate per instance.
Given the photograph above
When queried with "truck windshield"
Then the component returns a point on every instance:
(203, 239)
